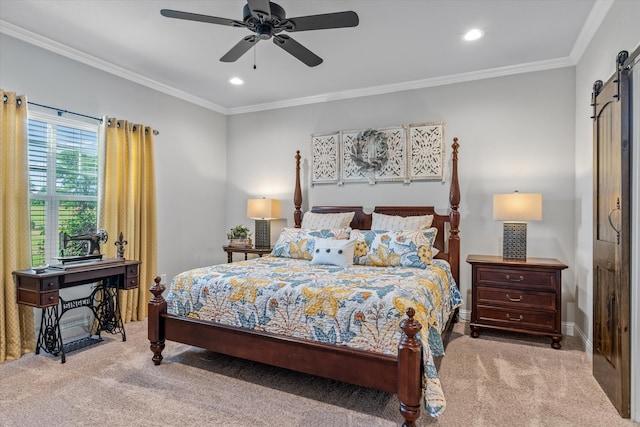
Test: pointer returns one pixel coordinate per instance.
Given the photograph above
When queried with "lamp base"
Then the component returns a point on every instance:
(514, 240)
(263, 234)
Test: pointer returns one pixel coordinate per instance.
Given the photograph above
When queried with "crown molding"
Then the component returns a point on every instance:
(77, 55)
(591, 25)
(410, 85)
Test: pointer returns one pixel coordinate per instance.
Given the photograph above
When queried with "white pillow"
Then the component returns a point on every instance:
(320, 221)
(333, 252)
(395, 222)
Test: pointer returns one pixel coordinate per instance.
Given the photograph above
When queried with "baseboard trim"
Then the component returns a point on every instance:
(586, 342)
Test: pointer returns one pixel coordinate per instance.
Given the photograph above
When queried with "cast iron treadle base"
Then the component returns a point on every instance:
(81, 343)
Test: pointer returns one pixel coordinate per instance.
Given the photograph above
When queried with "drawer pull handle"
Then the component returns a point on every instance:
(514, 299)
(514, 319)
(515, 279)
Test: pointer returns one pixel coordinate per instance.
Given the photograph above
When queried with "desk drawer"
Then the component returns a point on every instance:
(37, 299)
(132, 270)
(131, 282)
(42, 284)
(521, 298)
(87, 276)
(518, 319)
(516, 277)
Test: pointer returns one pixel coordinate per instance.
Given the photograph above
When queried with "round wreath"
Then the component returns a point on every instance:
(371, 145)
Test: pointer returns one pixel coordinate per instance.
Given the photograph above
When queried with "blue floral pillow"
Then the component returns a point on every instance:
(410, 248)
(300, 242)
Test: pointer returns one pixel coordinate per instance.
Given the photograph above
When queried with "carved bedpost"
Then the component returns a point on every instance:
(409, 370)
(297, 195)
(454, 215)
(157, 306)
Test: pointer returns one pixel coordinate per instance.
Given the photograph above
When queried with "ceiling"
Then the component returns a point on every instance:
(398, 45)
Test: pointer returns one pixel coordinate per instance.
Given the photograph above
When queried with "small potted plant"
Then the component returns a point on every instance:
(239, 236)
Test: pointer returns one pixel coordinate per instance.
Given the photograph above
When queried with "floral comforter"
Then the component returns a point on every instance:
(359, 307)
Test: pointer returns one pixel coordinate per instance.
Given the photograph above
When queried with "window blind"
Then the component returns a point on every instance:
(63, 184)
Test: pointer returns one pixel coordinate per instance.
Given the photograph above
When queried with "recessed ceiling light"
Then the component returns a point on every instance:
(236, 81)
(472, 35)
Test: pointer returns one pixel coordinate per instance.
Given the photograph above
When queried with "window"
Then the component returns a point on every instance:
(63, 184)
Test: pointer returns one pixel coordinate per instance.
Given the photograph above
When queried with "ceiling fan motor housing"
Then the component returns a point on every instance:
(277, 14)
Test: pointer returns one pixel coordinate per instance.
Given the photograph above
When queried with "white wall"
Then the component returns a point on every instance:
(190, 150)
(515, 132)
(619, 31)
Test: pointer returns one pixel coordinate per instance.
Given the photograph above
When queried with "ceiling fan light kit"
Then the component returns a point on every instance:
(267, 20)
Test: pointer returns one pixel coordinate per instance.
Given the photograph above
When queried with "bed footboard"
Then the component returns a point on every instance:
(401, 375)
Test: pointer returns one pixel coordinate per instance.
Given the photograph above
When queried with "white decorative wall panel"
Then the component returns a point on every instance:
(397, 153)
(325, 156)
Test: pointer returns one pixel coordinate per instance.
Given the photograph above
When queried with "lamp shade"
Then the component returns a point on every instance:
(517, 207)
(263, 209)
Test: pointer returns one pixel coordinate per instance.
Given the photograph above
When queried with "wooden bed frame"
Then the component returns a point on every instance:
(401, 375)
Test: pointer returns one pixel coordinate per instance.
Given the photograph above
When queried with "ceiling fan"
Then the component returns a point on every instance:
(268, 20)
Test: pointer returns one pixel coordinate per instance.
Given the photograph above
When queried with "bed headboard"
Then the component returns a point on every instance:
(447, 240)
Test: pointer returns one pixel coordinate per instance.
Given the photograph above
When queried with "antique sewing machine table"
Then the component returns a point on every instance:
(41, 290)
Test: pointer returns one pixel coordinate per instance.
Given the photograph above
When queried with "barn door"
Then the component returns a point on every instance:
(611, 238)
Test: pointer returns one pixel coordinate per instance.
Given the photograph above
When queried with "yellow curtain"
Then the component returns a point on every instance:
(127, 204)
(17, 331)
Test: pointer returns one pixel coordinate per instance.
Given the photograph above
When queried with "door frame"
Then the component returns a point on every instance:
(635, 238)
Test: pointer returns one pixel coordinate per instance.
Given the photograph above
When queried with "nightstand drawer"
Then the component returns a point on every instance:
(530, 320)
(516, 298)
(516, 277)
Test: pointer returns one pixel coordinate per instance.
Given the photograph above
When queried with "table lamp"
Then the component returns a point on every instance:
(263, 211)
(514, 209)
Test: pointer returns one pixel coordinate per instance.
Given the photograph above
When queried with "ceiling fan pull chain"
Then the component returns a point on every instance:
(254, 57)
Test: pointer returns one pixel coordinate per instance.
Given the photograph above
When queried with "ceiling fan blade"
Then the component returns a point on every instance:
(201, 18)
(260, 7)
(240, 49)
(322, 22)
(297, 50)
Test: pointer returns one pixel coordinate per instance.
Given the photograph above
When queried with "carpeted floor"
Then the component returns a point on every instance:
(495, 380)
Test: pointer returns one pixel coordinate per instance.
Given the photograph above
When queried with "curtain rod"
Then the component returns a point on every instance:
(61, 112)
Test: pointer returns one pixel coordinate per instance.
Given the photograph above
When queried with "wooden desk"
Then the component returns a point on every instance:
(41, 290)
(245, 250)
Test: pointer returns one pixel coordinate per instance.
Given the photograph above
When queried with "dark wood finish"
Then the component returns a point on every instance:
(401, 374)
(611, 238)
(42, 289)
(246, 251)
(517, 295)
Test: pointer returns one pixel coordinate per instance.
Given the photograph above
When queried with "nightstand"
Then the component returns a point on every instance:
(244, 250)
(517, 295)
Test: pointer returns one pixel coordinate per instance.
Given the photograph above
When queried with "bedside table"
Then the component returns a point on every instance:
(244, 250)
(517, 295)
